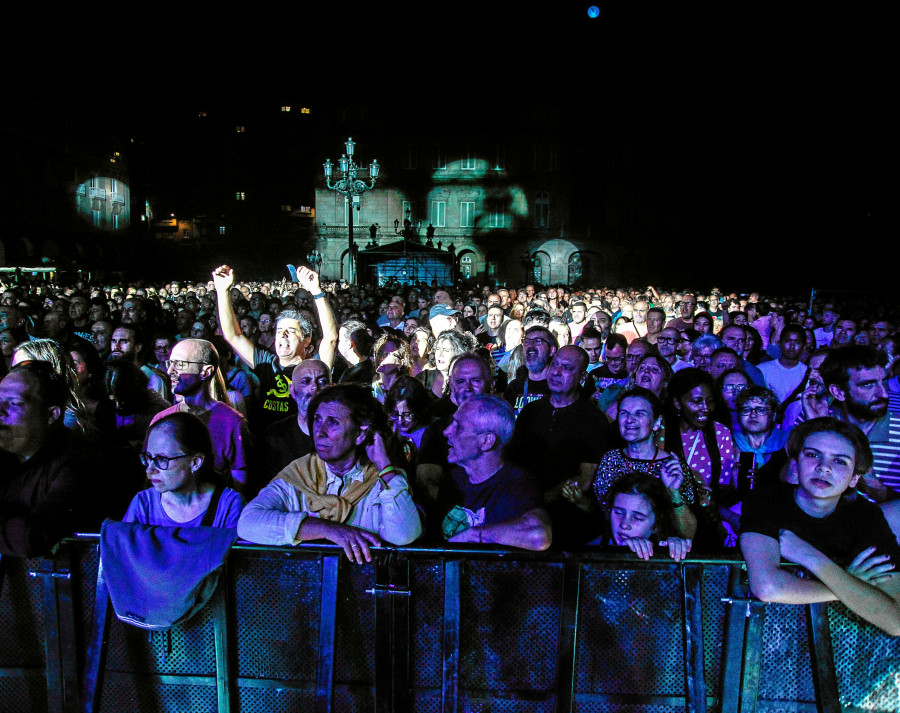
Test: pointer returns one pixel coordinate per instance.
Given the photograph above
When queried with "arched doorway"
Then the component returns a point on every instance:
(540, 267)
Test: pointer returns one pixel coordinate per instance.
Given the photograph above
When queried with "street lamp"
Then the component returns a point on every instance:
(351, 187)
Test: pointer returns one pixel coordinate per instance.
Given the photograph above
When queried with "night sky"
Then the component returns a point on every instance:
(782, 112)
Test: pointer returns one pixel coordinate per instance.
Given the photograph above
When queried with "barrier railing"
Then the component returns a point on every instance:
(438, 631)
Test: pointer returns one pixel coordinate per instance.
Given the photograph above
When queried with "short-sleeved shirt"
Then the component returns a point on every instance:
(507, 494)
(147, 508)
(854, 525)
(275, 401)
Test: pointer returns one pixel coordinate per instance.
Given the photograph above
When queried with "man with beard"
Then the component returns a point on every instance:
(194, 372)
(579, 319)
(101, 338)
(127, 344)
(539, 345)
(844, 331)
(856, 378)
(290, 439)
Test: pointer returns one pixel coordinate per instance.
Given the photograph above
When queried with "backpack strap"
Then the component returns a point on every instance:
(213, 506)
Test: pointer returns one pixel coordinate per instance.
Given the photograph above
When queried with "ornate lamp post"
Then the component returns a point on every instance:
(351, 188)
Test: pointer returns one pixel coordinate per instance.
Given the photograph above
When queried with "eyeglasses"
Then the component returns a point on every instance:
(180, 364)
(160, 462)
(533, 341)
(756, 411)
(733, 388)
(404, 416)
(667, 340)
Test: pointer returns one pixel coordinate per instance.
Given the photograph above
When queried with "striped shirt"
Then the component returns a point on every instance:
(884, 439)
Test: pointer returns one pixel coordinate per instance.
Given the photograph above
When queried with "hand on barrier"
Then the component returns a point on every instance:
(355, 542)
(678, 547)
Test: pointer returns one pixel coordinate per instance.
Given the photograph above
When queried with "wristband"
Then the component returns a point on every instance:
(319, 296)
(389, 470)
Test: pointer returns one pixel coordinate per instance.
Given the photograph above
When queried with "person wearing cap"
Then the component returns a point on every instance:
(443, 318)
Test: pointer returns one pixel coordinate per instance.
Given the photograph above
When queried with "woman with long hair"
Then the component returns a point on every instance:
(392, 359)
(77, 417)
(447, 345)
(185, 490)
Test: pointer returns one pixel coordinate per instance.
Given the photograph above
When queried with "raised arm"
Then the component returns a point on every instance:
(223, 277)
(531, 531)
(309, 281)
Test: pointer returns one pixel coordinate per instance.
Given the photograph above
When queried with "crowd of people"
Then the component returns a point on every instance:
(529, 417)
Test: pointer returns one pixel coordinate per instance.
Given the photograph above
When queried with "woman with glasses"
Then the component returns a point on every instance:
(729, 386)
(185, 490)
(407, 405)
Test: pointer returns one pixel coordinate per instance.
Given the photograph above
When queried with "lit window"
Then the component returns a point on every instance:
(202, 114)
(286, 208)
(221, 230)
(438, 214)
(240, 195)
(468, 161)
(285, 108)
(497, 214)
(240, 129)
(304, 110)
(466, 214)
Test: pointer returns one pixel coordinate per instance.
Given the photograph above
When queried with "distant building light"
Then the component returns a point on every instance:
(304, 110)
(221, 230)
(112, 160)
(285, 108)
(202, 114)
(240, 195)
(240, 129)
(286, 208)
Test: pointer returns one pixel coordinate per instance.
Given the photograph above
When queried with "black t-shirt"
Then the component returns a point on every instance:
(523, 390)
(853, 526)
(508, 493)
(551, 442)
(285, 443)
(275, 400)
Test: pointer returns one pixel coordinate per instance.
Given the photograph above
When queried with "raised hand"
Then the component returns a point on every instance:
(223, 277)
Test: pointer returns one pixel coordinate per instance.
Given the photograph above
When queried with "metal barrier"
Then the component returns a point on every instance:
(438, 631)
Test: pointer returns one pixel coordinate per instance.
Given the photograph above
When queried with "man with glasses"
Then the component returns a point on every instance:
(685, 318)
(193, 369)
(614, 368)
(539, 346)
(667, 344)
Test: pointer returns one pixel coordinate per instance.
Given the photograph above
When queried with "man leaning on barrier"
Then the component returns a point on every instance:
(347, 492)
(493, 501)
(844, 543)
